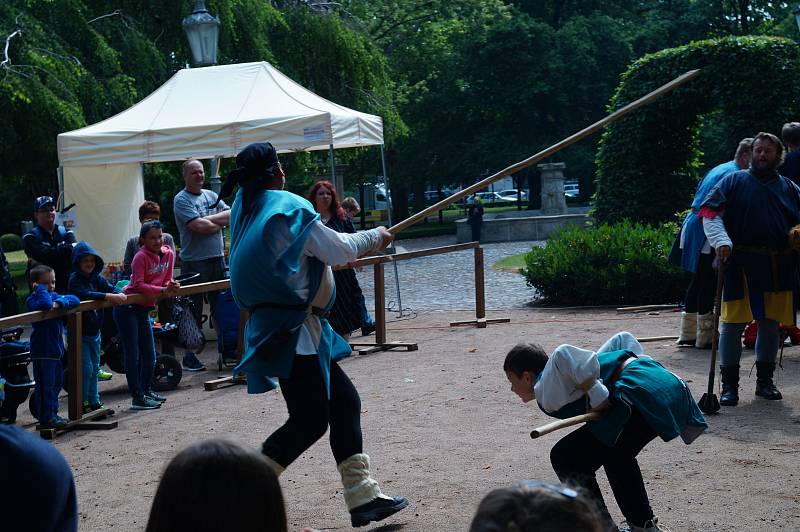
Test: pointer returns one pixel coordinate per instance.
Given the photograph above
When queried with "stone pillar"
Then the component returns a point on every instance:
(553, 201)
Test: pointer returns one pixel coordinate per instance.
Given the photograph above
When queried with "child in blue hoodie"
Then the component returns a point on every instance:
(47, 344)
(86, 282)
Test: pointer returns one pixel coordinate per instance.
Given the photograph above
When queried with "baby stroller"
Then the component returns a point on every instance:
(14, 359)
(226, 318)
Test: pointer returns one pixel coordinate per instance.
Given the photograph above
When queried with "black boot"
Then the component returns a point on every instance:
(764, 386)
(730, 385)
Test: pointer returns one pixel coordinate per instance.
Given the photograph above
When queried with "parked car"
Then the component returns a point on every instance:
(488, 197)
(511, 194)
(572, 190)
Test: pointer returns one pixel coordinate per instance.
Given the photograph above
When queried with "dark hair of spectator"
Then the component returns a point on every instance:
(38, 272)
(218, 485)
(791, 133)
(525, 357)
(148, 210)
(336, 207)
(544, 508)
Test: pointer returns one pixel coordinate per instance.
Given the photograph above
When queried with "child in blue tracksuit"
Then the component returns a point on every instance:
(47, 344)
(86, 282)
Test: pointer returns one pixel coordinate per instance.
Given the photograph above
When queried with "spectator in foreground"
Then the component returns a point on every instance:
(535, 506)
(217, 485)
(37, 491)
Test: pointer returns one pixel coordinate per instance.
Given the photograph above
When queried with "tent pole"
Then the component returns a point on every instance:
(60, 172)
(391, 249)
(338, 186)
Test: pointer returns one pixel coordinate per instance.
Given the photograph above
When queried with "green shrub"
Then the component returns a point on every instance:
(11, 242)
(622, 264)
(648, 162)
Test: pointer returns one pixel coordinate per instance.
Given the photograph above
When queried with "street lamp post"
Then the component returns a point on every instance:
(797, 15)
(202, 32)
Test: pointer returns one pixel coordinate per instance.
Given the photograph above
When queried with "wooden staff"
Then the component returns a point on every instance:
(564, 423)
(616, 115)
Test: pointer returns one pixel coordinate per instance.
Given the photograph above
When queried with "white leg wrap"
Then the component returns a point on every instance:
(359, 488)
(688, 327)
(705, 330)
(274, 465)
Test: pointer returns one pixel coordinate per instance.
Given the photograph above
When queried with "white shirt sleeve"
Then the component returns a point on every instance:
(332, 247)
(714, 228)
(566, 369)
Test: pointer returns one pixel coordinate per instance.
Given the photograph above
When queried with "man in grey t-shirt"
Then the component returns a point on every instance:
(200, 228)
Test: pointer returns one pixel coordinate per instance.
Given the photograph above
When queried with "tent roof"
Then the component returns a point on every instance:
(216, 111)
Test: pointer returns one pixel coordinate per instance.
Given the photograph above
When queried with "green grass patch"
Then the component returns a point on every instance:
(512, 263)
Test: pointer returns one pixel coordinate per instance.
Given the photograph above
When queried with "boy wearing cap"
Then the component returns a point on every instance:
(48, 243)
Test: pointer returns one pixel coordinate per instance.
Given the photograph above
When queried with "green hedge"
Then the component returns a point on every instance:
(648, 162)
(10, 242)
(621, 264)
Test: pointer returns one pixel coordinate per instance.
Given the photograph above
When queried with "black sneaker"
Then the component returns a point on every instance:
(191, 363)
(368, 329)
(155, 396)
(377, 509)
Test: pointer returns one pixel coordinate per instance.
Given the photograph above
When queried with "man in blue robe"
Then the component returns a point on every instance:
(279, 268)
(696, 256)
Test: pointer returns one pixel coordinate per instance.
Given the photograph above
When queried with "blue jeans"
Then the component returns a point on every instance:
(90, 350)
(136, 337)
(48, 376)
(730, 342)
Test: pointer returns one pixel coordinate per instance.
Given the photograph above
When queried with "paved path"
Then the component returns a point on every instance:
(447, 282)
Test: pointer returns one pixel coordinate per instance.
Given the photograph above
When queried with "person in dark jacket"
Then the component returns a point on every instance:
(87, 282)
(49, 243)
(38, 491)
(47, 344)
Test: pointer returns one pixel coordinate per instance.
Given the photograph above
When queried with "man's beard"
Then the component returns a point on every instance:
(765, 170)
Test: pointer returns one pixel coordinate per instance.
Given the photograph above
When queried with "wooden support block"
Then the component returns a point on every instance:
(369, 348)
(224, 382)
(84, 423)
(481, 323)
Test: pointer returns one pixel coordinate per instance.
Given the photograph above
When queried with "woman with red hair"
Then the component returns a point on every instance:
(345, 316)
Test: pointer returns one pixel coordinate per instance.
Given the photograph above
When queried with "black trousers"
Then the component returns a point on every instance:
(311, 413)
(703, 287)
(578, 455)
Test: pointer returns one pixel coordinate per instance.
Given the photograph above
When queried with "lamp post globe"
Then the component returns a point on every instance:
(202, 31)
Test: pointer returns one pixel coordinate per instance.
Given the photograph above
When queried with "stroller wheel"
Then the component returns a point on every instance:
(33, 405)
(113, 357)
(167, 373)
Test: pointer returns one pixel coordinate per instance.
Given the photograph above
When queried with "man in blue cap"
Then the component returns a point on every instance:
(48, 243)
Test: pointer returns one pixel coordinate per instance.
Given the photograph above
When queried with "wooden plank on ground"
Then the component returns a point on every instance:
(87, 422)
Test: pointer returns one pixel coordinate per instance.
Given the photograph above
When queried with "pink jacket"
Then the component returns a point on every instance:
(150, 272)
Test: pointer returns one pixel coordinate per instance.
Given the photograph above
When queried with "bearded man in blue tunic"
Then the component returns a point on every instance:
(280, 273)
(747, 217)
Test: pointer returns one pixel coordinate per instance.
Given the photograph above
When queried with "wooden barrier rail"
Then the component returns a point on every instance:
(73, 316)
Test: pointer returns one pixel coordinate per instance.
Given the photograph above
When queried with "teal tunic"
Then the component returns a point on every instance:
(266, 249)
(661, 396)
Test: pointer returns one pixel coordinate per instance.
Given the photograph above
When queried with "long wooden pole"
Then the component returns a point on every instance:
(514, 168)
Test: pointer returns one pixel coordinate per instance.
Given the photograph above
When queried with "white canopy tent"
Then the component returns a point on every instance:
(198, 113)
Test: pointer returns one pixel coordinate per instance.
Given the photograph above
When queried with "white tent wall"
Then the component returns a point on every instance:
(106, 198)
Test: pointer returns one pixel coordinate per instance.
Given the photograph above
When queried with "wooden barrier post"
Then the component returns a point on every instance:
(480, 294)
(75, 364)
(480, 320)
(380, 304)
